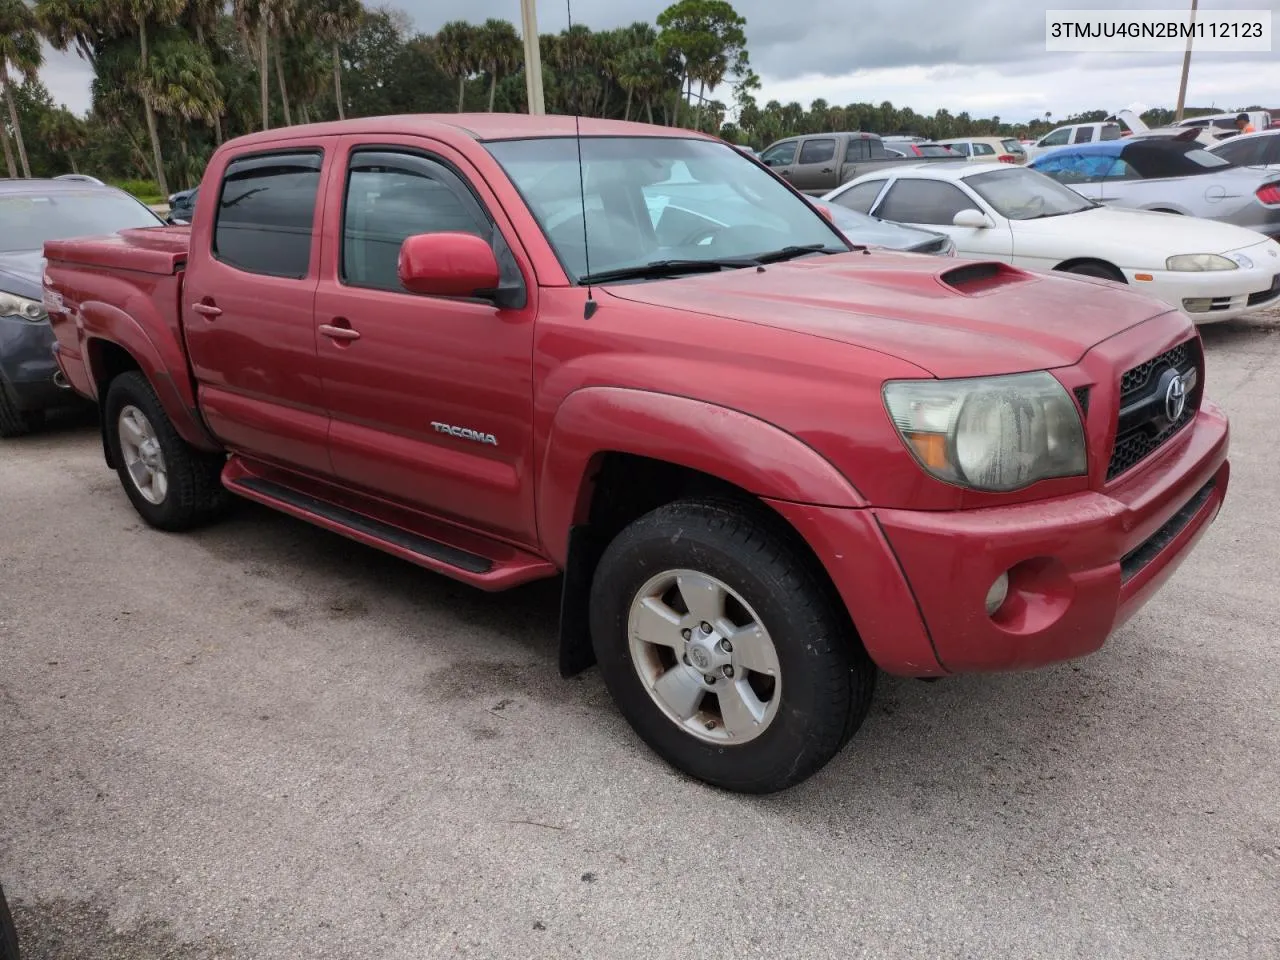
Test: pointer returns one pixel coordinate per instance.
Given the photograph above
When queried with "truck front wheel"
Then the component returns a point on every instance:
(724, 649)
(172, 485)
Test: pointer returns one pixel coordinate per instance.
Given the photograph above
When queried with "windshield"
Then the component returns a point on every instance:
(653, 199)
(1022, 194)
(932, 150)
(27, 220)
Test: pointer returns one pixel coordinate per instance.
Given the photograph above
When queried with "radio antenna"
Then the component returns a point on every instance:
(589, 308)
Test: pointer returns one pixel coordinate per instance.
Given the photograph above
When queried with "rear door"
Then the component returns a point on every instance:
(248, 296)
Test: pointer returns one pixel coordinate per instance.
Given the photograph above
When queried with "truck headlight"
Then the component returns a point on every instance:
(990, 433)
(1200, 261)
(12, 305)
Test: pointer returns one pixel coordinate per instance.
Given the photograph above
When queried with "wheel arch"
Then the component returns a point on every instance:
(1067, 265)
(614, 454)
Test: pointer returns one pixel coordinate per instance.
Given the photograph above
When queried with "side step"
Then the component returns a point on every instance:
(427, 549)
(392, 529)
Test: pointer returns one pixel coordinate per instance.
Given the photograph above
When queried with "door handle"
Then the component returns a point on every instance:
(206, 310)
(339, 333)
(826, 170)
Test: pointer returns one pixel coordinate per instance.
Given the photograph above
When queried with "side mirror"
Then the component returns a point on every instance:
(971, 218)
(448, 265)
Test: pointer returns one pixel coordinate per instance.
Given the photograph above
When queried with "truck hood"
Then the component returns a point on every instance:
(953, 318)
(22, 273)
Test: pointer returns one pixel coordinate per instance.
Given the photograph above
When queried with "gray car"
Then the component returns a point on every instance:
(1171, 176)
(31, 212)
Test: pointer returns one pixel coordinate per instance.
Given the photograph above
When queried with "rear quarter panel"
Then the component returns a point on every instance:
(124, 292)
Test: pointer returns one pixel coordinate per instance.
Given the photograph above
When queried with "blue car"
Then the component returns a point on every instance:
(31, 212)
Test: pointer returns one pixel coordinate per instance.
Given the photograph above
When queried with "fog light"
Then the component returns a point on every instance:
(1197, 304)
(997, 593)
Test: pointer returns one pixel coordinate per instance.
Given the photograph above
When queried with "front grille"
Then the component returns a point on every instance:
(1143, 424)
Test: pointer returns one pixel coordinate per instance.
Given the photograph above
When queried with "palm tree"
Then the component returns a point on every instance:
(65, 132)
(457, 44)
(67, 23)
(498, 50)
(337, 21)
(203, 17)
(281, 12)
(19, 50)
(256, 18)
(182, 83)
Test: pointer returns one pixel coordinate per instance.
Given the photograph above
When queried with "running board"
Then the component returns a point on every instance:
(506, 567)
(376, 529)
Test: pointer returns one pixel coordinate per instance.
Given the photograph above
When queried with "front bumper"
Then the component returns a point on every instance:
(1079, 566)
(1214, 294)
(28, 370)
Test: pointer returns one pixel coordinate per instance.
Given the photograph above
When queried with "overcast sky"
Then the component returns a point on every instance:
(983, 56)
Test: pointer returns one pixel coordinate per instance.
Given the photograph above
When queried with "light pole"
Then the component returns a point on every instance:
(1186, 67)
(532, 57)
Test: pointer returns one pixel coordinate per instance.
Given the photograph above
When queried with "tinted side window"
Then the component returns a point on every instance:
(391, 197)
(983, 149)
(924, 201)
(266, 214)
(781, 155)
(1056, 139)
(965, 148)
(1110, 132)
(1245, 152)
(857, 148)
(1082, 135)
(861, 197)
(817, 151)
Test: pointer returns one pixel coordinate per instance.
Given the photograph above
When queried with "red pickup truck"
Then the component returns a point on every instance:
(765, 461)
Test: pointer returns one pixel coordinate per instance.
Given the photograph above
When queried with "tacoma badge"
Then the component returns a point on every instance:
(464, 433)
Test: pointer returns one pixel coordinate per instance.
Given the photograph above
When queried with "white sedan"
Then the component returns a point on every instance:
(1209, 270)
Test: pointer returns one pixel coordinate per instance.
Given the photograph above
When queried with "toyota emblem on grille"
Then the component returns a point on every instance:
(1175, 397)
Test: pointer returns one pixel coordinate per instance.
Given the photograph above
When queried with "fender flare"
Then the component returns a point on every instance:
(104, 322)
(736, 447)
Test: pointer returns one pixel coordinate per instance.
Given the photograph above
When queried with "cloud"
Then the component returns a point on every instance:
(984, 56)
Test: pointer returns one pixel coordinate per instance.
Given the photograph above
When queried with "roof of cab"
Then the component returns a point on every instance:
(475, 126)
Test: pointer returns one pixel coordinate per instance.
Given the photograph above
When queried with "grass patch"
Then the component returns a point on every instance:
(148, 191)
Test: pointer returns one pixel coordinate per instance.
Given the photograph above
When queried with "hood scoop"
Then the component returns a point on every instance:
(982, 277)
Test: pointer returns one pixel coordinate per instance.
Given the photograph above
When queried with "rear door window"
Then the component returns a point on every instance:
(983, 150)
(265, 217)
(817, 151)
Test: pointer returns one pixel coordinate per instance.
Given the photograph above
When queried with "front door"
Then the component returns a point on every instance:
(781, 158)
(431, 398)
(247, 302)
(933, 204)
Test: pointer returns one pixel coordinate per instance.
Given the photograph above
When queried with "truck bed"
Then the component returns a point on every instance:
(155, 250)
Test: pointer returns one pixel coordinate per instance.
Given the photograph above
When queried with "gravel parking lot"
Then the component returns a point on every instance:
(263, 741)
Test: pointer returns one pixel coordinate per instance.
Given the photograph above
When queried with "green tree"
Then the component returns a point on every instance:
(65, 133)
(19, 52)
(458, 46)
(497, 50)
(709, 38)
(338, 20)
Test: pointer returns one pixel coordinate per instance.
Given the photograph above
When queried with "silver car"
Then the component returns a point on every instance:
(1261, 149)
(1169, 175)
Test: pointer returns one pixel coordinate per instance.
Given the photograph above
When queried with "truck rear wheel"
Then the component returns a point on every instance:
(172, 485)
(724, 649)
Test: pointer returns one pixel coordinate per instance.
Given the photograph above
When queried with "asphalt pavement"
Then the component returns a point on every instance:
(263, 741)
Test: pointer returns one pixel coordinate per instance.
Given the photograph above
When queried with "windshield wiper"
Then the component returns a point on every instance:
(790, 253)
(668, 268)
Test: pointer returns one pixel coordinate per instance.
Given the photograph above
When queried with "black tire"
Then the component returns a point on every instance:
(1100, 270)
(826, 677)
(15, 422)
(8, 932)
(195, 494)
